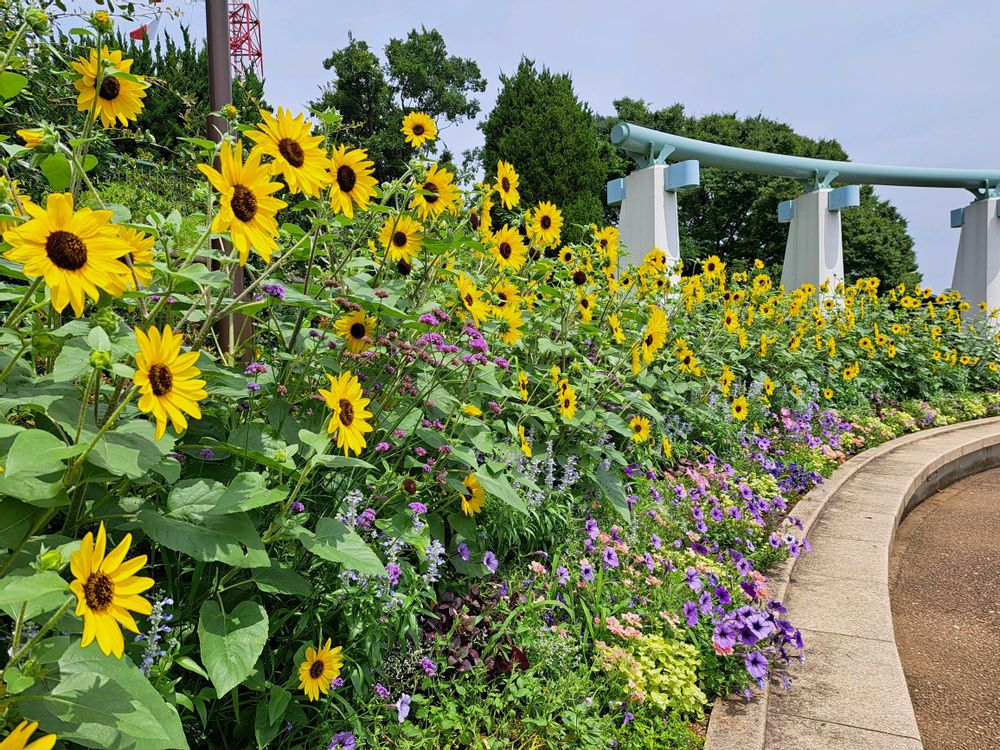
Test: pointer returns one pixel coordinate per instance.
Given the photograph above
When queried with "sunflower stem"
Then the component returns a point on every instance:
(18, 35)
(80, 152)
(16, 657)
(83, 407)
(104, 428)
(13, 361)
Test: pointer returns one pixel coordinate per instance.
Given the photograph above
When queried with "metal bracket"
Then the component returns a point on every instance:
(786, 211)
(616, 191)
(682, 175)
(957, 217)
(848, 196)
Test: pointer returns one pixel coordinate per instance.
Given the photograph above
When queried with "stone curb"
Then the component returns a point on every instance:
(851, 691)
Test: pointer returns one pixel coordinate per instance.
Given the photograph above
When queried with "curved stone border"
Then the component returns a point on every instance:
(851, 691)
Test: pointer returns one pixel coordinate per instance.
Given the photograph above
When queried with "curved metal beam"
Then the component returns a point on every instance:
(648, 147)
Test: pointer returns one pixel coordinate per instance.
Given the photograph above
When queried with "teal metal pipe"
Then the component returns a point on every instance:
(647, 147)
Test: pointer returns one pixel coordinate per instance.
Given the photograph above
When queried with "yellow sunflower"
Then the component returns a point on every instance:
(585, 304)
(246, 205)
(640, 429)
(655, 335)
(525, 445)
(509, 249)
(828, 393)
(353, 183)
(471, 410)
(119, 99)
(469, 293)
(77, 252)
(401, 237)
(713, 266)
(474, 495)
(607, 241)
(437, 193)
(355, 328)
(484, 218)
(141, 257)
(546, 224)
(616, 328)
(567, 400)
(168, 380)
(506, 185)
(320, 668)
(350, 414)
(668, 449)
(106, 588)
(508, 294)
(522, 385)
(32, 138)
(18, 739)
(740, 408)
(418, 129)
(510, 324)
(298, 154)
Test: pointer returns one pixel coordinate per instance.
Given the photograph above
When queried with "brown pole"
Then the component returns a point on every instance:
(220, 93)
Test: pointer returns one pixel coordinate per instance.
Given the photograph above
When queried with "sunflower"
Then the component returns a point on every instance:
(607, 240)
(510, 324)
(469, 293)
(418, 128)
(437, 193)
(616, 328)
(106, 587)
(727, 379)
(668, 449)
(655, 335)
(356, 327)
(350, 414)
(167, 379)
(474, 495)
(768, 387)
(508, 294)
(118, 99)
(401, 237)
(485, 218)
(525, 445)
(506, 185)
(18, 739)
(471, 410)
(140, 257)
(298, 154)
(522, 385)
(713, 266)
(508, 249)
(828, 393)
(567, 400)
(320, 668)
(585, 304)
(353, 184)
(640, 429)
(739, 408)
(32, 138)
(246, 206)
(546, 224)
(851, 371)
(76, 252)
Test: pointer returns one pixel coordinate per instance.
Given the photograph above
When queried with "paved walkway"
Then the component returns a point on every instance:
(944, 582)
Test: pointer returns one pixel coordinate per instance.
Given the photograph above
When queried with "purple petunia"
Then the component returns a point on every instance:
(593, 531)
(342, 741)
(691, 613)
(586, 571)
(491, 562)
(610, 558)
(693, 579)
(756, 665)
(725, 635)
(402, 707)
(463, 551)
(562, 575)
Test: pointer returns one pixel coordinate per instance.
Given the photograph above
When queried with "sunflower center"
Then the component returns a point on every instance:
(160, 379)
(399, 239)
(110, 88)
(66, 250)
(546, 222)
(505, 250)
(469, 300)
(503, 299)
(292, 152)
(649, 339)
(346, 178)
(579, 278)
(316, 669)
(585, 303)
(244, 203)
(403, 267)
(418, 129)
(566, 403)
(433, 190)
(505, 183)
(346, 411)
(99, 591)
(358, 330)
(637, 427)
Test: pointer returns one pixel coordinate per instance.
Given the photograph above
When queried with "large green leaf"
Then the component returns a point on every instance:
(16, 519)
(99, 701)
(11, 84)
(231, 539)
(279, 580)
(131, 449)
(36, 452)
(335, 542)
(611, 485)
(41, 591)
(500, 488)
(231, 643)
(57, 171)
(246, 492)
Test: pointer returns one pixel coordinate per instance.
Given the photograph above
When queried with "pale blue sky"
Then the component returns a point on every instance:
(895, 82)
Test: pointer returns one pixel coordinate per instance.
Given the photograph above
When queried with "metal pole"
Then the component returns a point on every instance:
(235, 329)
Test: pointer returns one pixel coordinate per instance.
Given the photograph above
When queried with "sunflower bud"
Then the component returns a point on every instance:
(106, 319)
(50, 560)
(229, 112)
(100, 360)
(101, 20)
(44, 344)
(37, 20)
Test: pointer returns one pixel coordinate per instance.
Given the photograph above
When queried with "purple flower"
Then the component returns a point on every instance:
(650, 562)
(656, 541)
(722, 595)
(275, 290)
(253, 387)
(381, 691)
(610, 558)
(393, 572)
(562, 575)
(207, 453)
(402, 707)
(693, 579)
(593, 531)
(744, 567)
(586, 571)
(418, 507)
(341, 741)
(382, 447)
(463, 551)
(298, 507)
(627, 718)
(429, 319)
(491, 562)
(756, 665)
(428, 666)
(254, 368)
(691, 613)
(725, 635)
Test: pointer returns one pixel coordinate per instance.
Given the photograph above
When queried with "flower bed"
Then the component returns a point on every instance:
(434, 478)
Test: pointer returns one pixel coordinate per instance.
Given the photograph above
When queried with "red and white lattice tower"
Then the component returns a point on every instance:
(244, 38)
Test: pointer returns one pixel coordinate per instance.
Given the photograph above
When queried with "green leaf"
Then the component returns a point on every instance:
(192, 666)
(231, 539)
(11, 84)
(277, 704)
(16, 681)
(131, 450)
(341, 462)
(192, 498)
(231, 644)
(279, 580)
(335, 542)
(100, 701)
(42, 591)
(16, 519)
(57, 171)
(36, 452)
(498, 487)
(611, 486)
(246, 492)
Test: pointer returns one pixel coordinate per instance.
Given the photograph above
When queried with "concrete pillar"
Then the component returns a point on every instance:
(977, 266)
(648, 217)
(814, 252)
